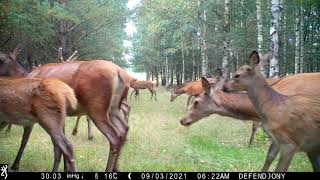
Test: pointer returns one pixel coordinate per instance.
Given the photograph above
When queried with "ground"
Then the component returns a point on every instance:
(156, 142)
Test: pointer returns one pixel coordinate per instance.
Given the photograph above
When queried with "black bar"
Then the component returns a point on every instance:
(160, 175)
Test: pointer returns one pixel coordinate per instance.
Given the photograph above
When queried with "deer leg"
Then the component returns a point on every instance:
(26, 134)
(189, 98)
(151, 92)
(3, 125)
(125, 108)
(75, 129)
(155, 94)
(192, 99)
(9, 128)
(122, 129)
(55, 130)
(287, 152)
(132, 93)
(90, 135)
(137, 95)
(57, 157)
(272, 153)
(100, 120)
(315, 161)
(255, 126)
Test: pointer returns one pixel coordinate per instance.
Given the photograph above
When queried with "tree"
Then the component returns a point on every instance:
(274, 38)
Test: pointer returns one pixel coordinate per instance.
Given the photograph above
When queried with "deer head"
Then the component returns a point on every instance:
(243, 76)
(9, 65)
(206, 104)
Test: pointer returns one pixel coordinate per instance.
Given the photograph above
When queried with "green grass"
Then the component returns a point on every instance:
(156, 142)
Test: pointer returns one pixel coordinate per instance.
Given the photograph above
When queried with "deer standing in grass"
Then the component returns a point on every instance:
(191, 88)
(136, 85)
(26, 101)
(101, 91)
(239, 106)
(292, 121)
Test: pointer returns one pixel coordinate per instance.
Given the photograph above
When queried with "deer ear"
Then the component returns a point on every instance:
(254, 59)
(16, 51)
(206, 85)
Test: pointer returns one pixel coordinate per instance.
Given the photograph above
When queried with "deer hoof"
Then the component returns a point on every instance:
(74, 132)
(14, 169)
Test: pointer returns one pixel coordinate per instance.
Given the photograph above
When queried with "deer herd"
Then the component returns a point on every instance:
(287, 108)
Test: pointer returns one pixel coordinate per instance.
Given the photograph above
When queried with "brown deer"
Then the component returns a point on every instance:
(238, 105)
(191, 88)
(293, 121)
(99, 86)
(136, 85)
(26, 101)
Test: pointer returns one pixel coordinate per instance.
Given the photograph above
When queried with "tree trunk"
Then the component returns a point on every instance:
(62, 35)
(226, 43)
(260, 32)
(297, 44)
(171, 79)
(166, 72)
(301, 40)
(194, 68)
(183, 75)
(285, 45)
(203, 31)
(147, 72)
(274, 38)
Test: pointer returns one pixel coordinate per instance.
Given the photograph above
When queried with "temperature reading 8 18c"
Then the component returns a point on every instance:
(112, 175)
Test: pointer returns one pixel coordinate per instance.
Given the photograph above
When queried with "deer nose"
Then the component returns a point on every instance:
(236, 76)
(185, 122)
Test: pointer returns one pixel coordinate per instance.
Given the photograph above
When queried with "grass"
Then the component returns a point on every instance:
(156, 142)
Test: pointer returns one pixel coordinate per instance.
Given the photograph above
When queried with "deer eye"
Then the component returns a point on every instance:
(237, 76)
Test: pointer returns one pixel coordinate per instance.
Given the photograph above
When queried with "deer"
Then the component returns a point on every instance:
(191, 88)
(101, 91)
(136, 85)
(26, 101)
(293, 121)
(128, 79)
(237, 105)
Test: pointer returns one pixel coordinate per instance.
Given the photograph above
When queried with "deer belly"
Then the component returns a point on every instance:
(16, 118)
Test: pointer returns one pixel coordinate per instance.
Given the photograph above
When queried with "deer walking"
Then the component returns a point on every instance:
(100, 88)
(292, 121)
(191, 88)
(136, 85)
(239, 106)
(26, 101)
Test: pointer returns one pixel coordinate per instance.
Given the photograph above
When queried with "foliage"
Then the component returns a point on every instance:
(93, 28)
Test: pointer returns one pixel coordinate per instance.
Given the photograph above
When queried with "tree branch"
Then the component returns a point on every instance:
(88, 33)
(6, 41)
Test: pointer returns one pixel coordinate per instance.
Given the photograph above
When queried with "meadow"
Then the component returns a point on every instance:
(156, 142)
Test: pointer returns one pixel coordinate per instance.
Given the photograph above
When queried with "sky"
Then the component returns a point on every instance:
(130, 29)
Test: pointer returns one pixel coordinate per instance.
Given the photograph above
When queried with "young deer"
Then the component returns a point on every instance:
(136, 85)
(26, 101)
(239, 106)
(191, 88)
(100, 88)
(292, 121)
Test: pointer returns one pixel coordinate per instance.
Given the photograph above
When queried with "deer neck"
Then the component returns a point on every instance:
(235, 105)
(264, 98)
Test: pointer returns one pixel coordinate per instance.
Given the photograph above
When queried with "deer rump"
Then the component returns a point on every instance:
(26, 101)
